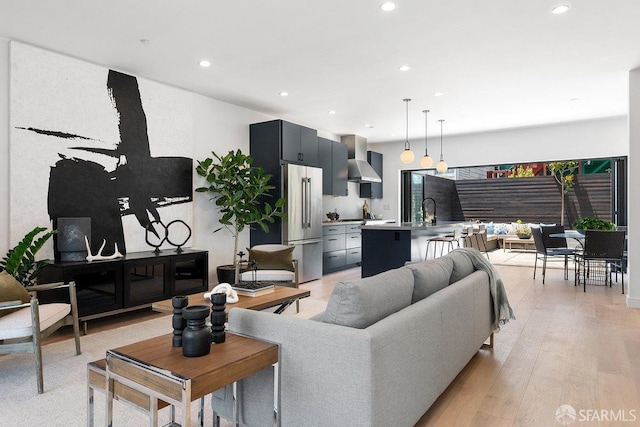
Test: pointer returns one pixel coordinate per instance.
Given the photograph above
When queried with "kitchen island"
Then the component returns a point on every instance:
(387, 246)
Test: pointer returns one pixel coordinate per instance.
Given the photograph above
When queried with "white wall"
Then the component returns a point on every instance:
(586, 139)
(633, 293)
(4, 146)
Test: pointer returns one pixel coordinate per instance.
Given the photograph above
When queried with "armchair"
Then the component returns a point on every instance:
(28, 323)
(275, 264)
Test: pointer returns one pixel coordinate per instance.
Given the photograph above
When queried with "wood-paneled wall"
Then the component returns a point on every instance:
(536, 199)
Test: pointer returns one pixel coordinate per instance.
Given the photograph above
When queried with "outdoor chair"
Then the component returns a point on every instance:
(543, 252)
(274, 263)
(604, 250)
(28, 323)
(478, 236)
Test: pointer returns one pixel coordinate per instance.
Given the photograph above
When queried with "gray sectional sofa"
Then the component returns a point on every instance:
(383, 351)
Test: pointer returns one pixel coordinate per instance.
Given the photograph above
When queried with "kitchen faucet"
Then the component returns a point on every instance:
(425, 212)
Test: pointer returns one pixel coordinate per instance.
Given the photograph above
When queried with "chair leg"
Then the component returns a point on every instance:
(37, 350)
(544, 268)
(535, 266)
(74, 314)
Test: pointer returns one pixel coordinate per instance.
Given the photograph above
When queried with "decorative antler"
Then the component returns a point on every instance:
(99, 255)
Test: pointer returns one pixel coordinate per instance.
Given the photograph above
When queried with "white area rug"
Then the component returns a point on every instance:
(64, 402)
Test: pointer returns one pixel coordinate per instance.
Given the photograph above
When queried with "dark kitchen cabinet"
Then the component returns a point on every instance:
(138, 279)
(341, 246)
(373, 190)
(333, 161)
(294, 143)
(273, 144)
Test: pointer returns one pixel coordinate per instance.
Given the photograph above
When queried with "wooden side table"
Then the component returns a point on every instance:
(156, 369)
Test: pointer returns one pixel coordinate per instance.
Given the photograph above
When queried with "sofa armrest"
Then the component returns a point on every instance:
(324, 368)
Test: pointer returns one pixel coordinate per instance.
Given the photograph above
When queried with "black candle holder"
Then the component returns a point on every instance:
(218, 317)
(178, 322)
(196, 338)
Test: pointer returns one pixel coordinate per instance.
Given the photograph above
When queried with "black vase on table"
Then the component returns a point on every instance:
(218, 317)
(196, 338)
(178, 322)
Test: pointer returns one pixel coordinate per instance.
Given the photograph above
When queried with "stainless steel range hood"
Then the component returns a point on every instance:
(359, 169)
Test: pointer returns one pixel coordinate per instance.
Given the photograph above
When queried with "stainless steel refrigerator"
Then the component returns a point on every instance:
(302, 190)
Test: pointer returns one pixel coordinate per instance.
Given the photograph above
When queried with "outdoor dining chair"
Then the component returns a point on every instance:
(543, 252)
(603, 249)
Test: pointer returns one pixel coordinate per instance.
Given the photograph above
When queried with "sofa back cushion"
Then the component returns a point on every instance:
(462, 266)
(362, 303)
(430, 276)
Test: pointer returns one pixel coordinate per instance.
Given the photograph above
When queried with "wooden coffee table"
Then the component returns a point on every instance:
(281, 295)
(525, 243)
(155, 368)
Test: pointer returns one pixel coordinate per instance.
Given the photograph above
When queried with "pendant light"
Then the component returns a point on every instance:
(407, 155)
(426, 161)
(442, 165)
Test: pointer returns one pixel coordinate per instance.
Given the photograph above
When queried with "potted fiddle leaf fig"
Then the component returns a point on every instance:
(238, 189)
(20, 261)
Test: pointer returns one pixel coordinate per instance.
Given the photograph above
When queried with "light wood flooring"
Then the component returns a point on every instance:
(565, 347)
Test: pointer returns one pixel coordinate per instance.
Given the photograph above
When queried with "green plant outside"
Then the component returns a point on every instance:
(563, 172)
(237, 188)
(521, 172)
(592, 223)
(20, 261)
(522, 230)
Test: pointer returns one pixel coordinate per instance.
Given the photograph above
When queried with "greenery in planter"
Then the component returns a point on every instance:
(592, 223)
(20, 261)
(237, 188)
(523, 231)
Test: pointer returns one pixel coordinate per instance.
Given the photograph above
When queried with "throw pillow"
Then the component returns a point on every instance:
(11, 290)
(462, 266)
(430, 276)
(500, 229)
(362, 303)
(272, 260)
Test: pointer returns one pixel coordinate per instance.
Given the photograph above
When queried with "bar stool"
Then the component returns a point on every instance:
(449, 238)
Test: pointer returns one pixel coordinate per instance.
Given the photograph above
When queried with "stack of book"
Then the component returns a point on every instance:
(253, 289)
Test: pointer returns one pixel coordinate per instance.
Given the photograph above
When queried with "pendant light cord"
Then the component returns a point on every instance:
(426, 149)
(406, 141)
(441, 120)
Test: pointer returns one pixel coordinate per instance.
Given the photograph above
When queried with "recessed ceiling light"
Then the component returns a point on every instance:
(562, 8)
(438, 94)
(204, 63)
(404, 68)
(388, 6)
(332, 112)
(284, 93)
(145, 41)
(573, 99)
(367, 125)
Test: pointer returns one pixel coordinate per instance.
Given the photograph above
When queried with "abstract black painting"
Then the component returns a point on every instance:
(116, 180)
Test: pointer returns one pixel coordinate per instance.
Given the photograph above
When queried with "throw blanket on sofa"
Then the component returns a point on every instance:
(501, 309)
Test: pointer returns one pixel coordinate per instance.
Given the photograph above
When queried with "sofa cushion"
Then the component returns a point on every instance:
(462, 266)
(362, 303)
(11, 290)
(430, 276)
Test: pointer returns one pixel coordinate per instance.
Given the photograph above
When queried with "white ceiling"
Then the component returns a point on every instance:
(499, 63)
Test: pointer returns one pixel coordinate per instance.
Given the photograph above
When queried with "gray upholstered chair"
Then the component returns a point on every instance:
(28, 323)
(275, 264)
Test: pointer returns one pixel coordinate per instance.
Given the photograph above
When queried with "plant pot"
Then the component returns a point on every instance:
(226, 274)
(523, 236)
